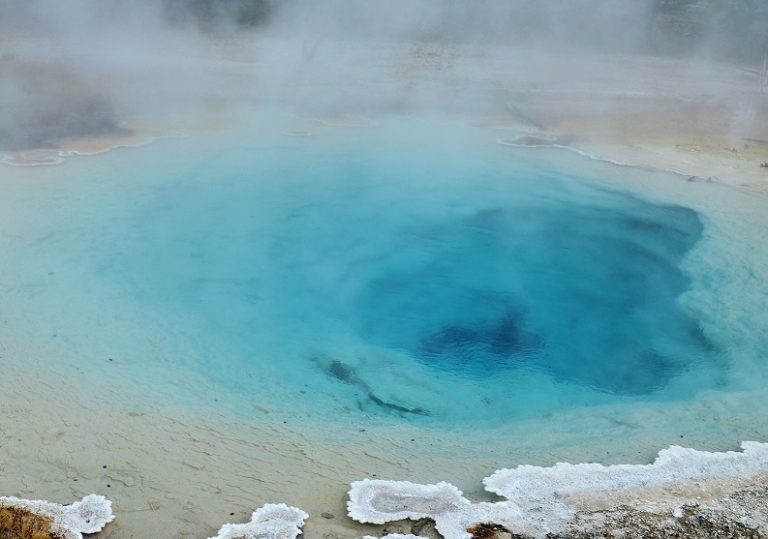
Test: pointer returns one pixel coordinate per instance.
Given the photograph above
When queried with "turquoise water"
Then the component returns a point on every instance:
(375, 274)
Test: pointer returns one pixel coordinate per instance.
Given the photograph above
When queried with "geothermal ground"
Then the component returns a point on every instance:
(176, 470)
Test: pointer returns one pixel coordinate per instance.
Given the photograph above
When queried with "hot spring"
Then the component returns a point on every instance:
(401, 273)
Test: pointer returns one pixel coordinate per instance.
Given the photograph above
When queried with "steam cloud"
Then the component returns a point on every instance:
(80, 66)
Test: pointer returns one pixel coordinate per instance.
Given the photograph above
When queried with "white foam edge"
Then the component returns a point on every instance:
(583, 153)
(57, 157)
(271, 521)
(89, 515)
(51, 160)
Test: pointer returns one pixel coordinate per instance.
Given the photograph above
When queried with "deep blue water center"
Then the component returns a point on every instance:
(586, 293)
(434, 281)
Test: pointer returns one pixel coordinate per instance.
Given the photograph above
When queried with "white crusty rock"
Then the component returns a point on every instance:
(272, 521)
(88, 515)
(395, 536)
(544, 500)
(377, 501)
(533, 486)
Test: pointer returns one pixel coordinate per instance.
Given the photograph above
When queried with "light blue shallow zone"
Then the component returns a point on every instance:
(354, 277)
(431, 283)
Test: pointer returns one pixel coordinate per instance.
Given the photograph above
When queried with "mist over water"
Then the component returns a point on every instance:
(369, 274)
(108, 62)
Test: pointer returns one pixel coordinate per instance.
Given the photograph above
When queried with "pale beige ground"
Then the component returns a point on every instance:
(722, 138)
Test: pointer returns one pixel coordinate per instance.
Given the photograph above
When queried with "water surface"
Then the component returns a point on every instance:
(381, 274)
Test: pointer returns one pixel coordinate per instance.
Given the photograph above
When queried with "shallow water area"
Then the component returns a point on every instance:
(405, 286)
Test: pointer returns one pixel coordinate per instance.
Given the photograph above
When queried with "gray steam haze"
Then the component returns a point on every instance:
(74, 67)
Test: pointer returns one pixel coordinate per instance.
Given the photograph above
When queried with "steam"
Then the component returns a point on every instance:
(108, 60)
(527, 22)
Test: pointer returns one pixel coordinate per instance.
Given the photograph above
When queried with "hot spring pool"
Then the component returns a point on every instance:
(382, 275)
